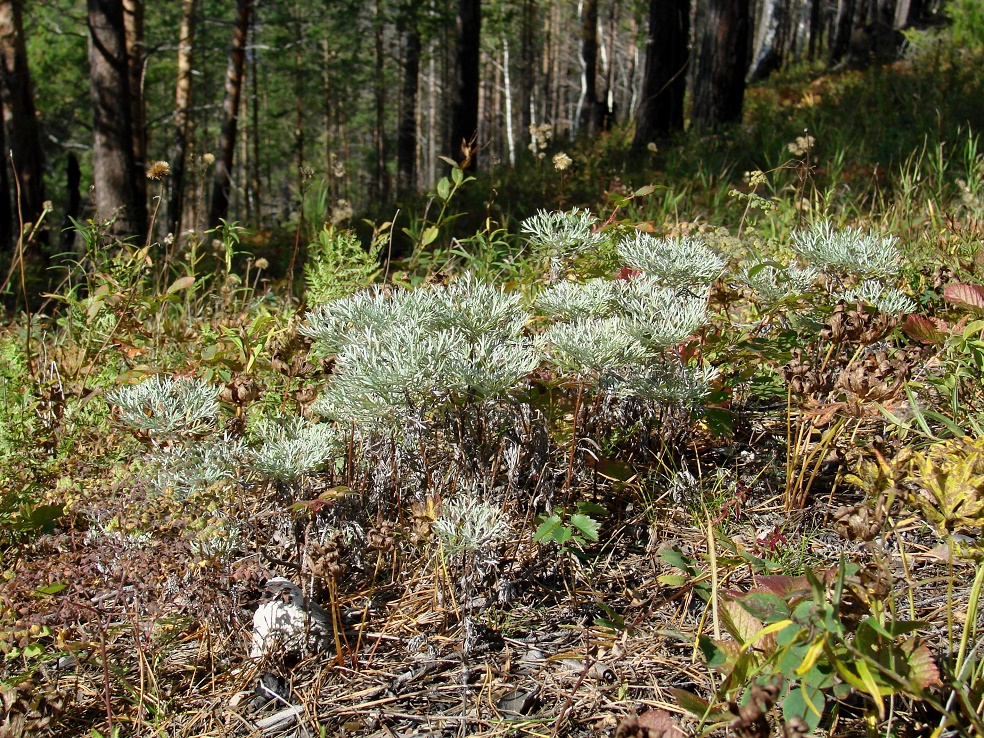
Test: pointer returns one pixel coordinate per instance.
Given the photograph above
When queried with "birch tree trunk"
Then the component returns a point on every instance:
(222, 183)
(182, 116)
(24, 135)
(113, 170)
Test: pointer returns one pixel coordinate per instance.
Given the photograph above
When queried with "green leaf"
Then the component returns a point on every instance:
(444, 189)
(672, 580)
(806, 703)
(591, 508)
(587, 525)
(547, 529)
(429, 235)
(765, 606)
(182, 283)
(52, 589)
(643, 191)
(457, 175)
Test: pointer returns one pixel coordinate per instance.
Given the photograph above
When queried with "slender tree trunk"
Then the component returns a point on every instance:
(73, 204)
(587, 114)
(113, 168)
(664, 81)
(527, 70)
(222, 183)
(133, 21)
(432, 113)
(842, 31)
(24, 138)
(254, 109)
(816, 28)
(767, 56)
(6, 213)
(464, 109)
(182, 116)
(722, 60)
(380, 190)
(406, 144)
(510, 137)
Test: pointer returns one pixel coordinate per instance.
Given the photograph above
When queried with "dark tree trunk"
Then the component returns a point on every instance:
(816, 28)
(664, 81)
(722, 60)
(588, 107)
(73, 203)
(464, 106)
(222, 184)
(113, 170)
(406, 144)
(182, 116)
(841, 42)
(133, 21)
(6, 214)
(24, 136)
(380, 189)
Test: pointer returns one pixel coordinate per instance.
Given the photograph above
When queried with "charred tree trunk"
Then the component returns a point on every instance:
(464, 107)
(24, 135)
(113, 169)
(587, 115)
(664, 81)
(406, 144)
(222, 183)
(182, 116)
(722, 60)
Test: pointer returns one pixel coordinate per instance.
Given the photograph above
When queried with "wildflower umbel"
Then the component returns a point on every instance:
(158, 170)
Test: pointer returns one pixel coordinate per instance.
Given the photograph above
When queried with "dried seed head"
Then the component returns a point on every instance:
(158, 170)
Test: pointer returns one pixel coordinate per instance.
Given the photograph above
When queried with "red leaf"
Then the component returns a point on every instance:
(971, 295)
(922, 329)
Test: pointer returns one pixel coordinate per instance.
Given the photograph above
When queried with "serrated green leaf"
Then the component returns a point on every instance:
(587, 525)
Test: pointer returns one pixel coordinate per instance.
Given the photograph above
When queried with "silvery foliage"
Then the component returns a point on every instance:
(574, 300)
(683, 486)
(591, 346)
(660, 316)
(850, 250)
(562, 236)
(219, 545)
(466, 337)
(377, 308)
(675, 262)
(886, 299)
(186, 470)
(772, 283)
(291, 448)
(469, 525)
(664, 383)
(479, 309)
(167, 407)
(490, 367)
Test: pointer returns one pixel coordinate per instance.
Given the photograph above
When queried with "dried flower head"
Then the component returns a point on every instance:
(158, 170)
(562, 162)
(208, 159)
(652, 147)
(802, 146)
(261, 263)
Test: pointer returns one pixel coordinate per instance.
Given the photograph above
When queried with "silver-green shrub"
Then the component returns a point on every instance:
(166, 407)
(292, 448)
(886, 299)
(849, 250)
(676, 262)
(574, 300)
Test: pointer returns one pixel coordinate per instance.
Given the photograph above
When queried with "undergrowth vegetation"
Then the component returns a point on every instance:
(708, 446)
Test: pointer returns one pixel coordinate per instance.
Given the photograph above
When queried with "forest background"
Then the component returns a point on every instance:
(351, 106)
